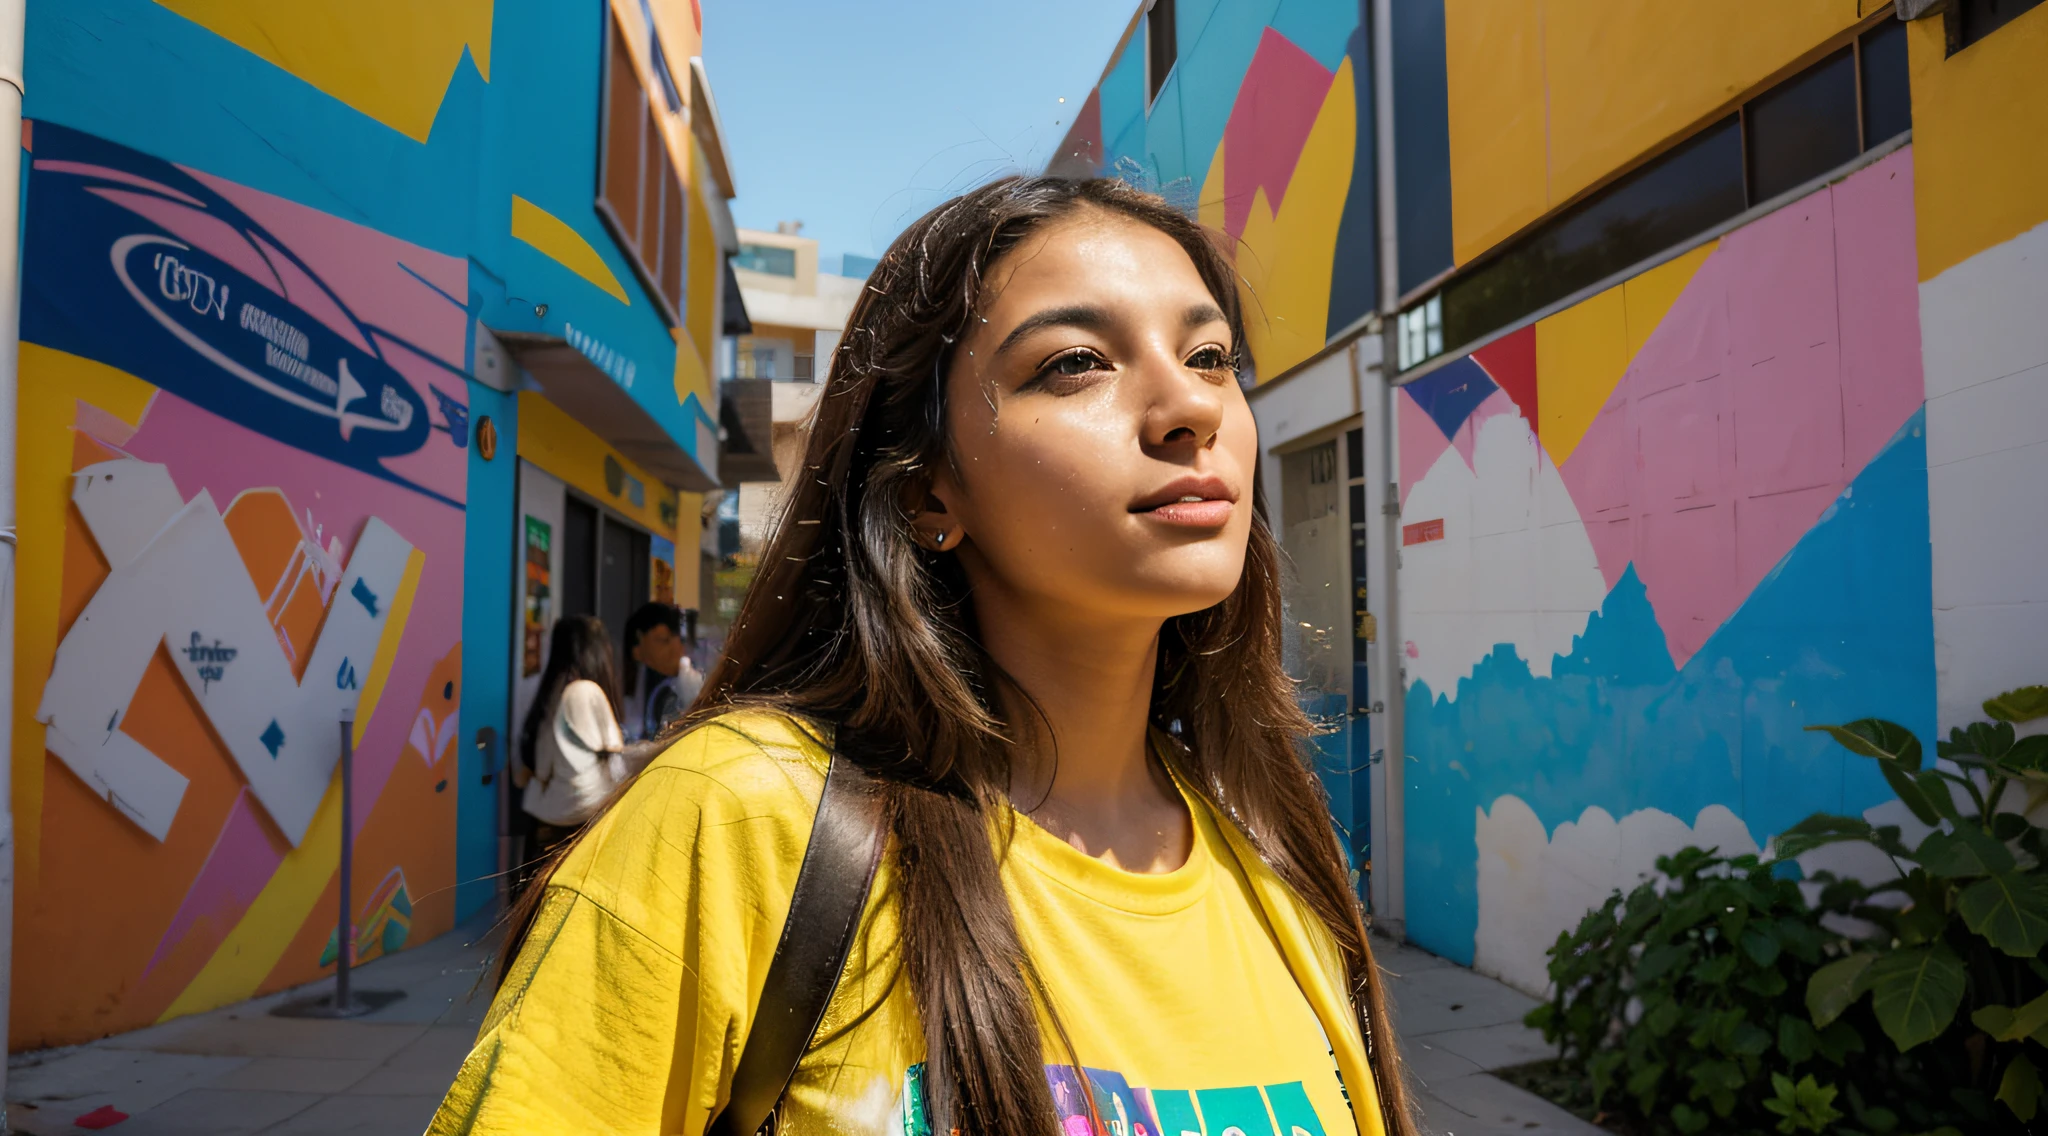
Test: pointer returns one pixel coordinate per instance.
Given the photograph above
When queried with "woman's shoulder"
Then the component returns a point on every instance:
(582, 690)
(758, 756)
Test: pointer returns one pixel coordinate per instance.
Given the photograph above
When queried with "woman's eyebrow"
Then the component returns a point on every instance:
(1200, 314)
(1081, 316)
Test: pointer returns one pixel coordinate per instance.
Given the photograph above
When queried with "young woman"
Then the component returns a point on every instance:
(570, 744)
(1024, 580)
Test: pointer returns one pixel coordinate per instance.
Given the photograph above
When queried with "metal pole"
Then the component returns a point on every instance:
(1390, 836)
(345, 940)
(12, 14)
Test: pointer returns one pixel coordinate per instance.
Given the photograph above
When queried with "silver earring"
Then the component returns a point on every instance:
(940, 540)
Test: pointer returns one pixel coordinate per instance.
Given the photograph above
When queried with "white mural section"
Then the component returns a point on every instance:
(1535, 885)
(177, 579)
(1514, 564)
(1985, 340)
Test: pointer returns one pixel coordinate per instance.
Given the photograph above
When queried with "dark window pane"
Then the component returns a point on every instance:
(1159, 41)
(766, 258)
(1803, 127)
(1674, 198)
(1887, 101)
(1976, 19)
(1354, 454)
(579, 558)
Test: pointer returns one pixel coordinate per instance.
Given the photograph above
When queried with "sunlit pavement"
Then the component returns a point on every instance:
(242, 1070)
(1455, 1026)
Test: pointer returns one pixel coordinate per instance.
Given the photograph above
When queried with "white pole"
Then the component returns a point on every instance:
(12, 15)
(1389, 821)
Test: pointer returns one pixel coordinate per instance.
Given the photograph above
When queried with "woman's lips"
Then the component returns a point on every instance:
(1205, 513)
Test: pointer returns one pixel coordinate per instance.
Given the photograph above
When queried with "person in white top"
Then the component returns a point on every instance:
(570, 746)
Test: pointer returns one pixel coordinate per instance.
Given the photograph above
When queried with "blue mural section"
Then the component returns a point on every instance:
(490, 538)
(1842, 629)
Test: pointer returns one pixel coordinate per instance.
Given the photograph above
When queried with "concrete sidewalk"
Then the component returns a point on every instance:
(241, 1070)
(1455, 1026)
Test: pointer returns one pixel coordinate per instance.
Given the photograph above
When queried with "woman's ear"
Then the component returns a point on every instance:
(936, 525)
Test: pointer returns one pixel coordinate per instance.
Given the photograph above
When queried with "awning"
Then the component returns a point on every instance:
(572, 382)
(746, 410)
(735, 304)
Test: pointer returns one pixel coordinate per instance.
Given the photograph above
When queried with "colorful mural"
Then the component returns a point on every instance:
(1671, 526)
(249, 499)
(245, 425)
(1264, 130)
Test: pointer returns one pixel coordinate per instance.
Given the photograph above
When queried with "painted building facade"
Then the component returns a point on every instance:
(327, 308)
(1706, 402)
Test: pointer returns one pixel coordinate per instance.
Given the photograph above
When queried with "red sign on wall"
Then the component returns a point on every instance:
(1422, 532)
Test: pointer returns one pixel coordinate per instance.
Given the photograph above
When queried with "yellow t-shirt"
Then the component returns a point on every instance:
(1204, 1000)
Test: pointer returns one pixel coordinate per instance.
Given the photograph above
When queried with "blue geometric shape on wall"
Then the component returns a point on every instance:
(1451, 394)
(1842, 628)
(273, 738)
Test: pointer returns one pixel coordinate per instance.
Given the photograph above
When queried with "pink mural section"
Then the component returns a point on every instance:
(1268, 125)
(1787, 363)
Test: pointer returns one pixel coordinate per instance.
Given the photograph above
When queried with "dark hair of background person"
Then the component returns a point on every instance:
(850, 622)
(645, 618)
(578, 647)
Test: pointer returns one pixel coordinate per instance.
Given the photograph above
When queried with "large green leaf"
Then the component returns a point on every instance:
(1817, 830)
(1915, 993)
(1836, 986)
(2022, 705)
(2020, 1088)
(1968, 851)
(1875, 737)
(1935, 787)
(2010, 909)
(2029, 753)
(2005, 1023)
(1909, 793)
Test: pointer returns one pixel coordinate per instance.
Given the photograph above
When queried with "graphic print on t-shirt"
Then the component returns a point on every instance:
(1108, 1105)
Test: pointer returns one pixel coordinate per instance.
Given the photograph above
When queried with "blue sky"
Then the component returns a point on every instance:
(857, 118)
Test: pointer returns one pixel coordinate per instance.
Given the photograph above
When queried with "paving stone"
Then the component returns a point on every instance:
(427, 1066)
(65, 1086)
(266, 1036)
(1488, 1106)
(217, 1112)
(1496, 1047)
(355, 1115)
(1429, 1063)
(323, 1075)
(1447, 998)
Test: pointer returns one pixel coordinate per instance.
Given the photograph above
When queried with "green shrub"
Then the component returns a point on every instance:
(1717, 1000)
(1955, 964)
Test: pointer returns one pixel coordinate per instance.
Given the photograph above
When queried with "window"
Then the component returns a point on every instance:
(770, 259)
(1971, 20)
(1784, 138)
(1160, 47)
(1803, 127)
(639, 194)
(1887, 100)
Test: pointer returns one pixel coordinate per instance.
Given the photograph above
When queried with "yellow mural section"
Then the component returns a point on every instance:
(564, 245)
(1284, 258)
(1980, 138)
(53, 385)
(1583, 351)
(252, 949)
(1500, 138)
(552, 440)
(1551, 97)
(390, 59)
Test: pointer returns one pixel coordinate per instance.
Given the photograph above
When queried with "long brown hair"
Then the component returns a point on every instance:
(850, 621)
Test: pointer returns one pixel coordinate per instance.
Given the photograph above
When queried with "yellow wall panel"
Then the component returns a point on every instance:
(1613, 80)
(1980, 138)
(1581, 353)
(1499, 136)
(552, 440)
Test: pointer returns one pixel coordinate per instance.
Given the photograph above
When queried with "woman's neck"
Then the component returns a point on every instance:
(1084, 771)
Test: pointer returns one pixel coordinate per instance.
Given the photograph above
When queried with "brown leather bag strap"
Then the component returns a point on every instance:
(824, 913)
